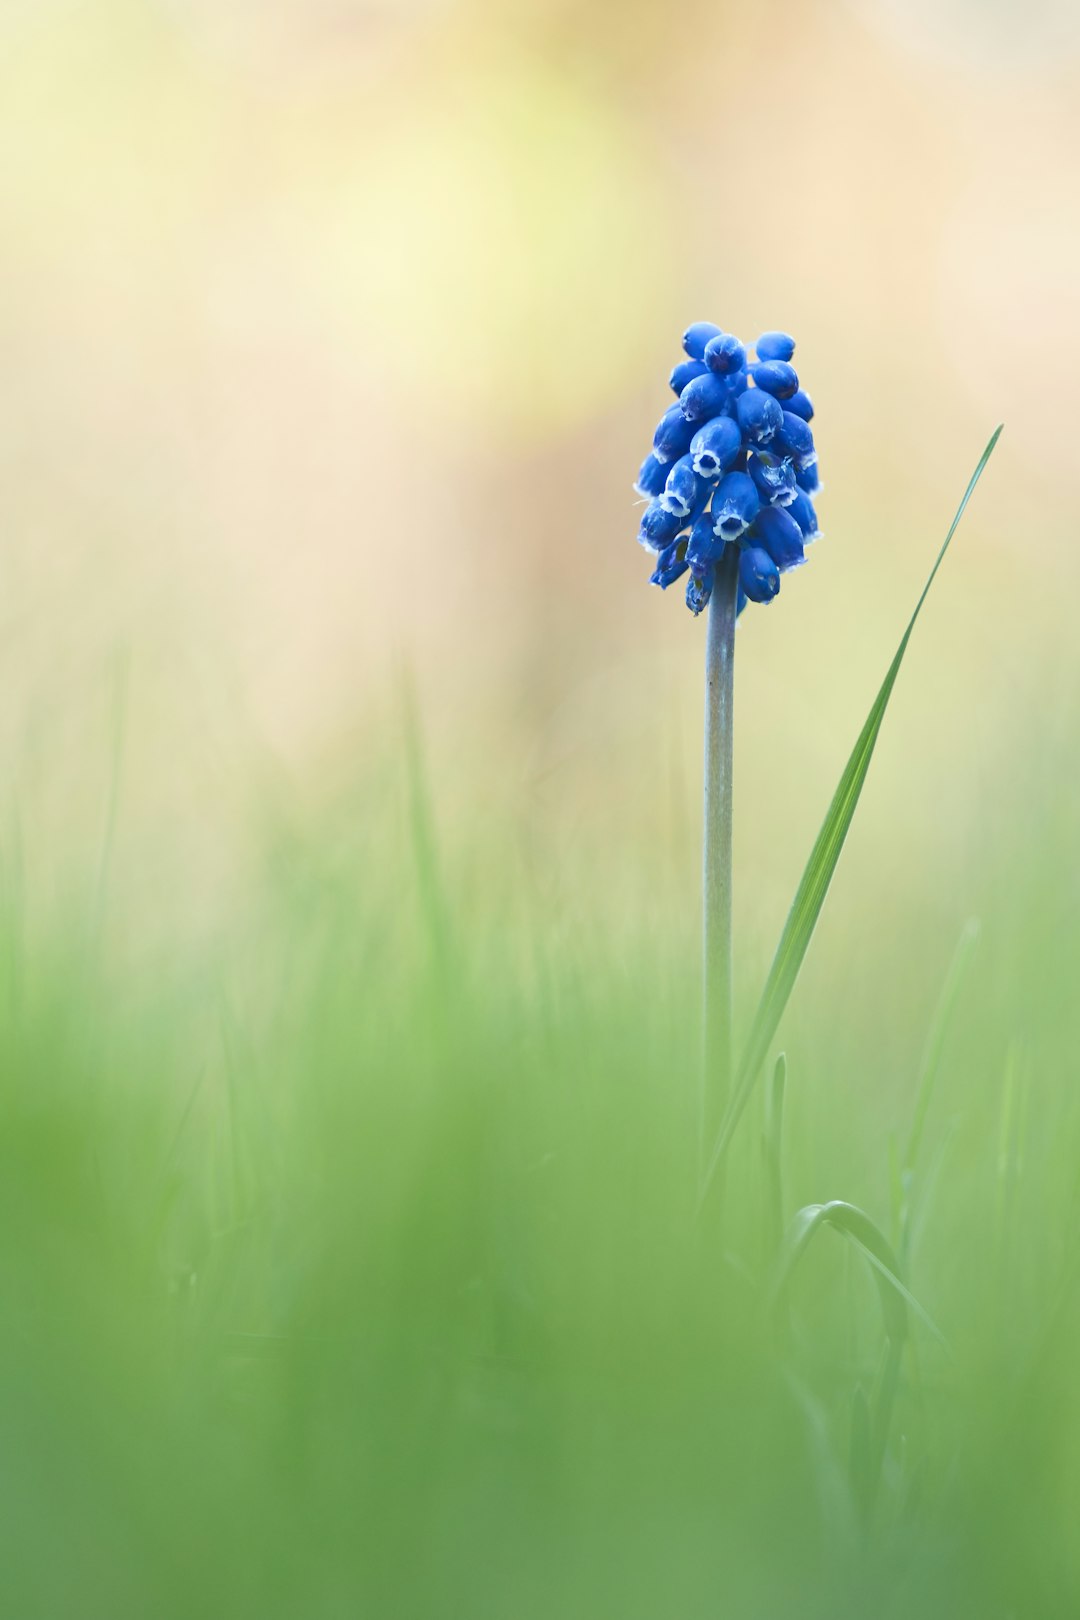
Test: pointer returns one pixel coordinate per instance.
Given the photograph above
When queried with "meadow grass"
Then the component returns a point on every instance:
(353, 1260)
(353, 1265)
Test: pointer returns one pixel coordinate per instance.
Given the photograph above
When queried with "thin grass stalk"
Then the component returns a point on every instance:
(773, 1147)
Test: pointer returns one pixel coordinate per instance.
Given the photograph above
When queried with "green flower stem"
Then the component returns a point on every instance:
(719, 706)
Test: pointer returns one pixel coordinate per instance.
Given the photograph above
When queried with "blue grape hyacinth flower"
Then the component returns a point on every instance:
(733, 465)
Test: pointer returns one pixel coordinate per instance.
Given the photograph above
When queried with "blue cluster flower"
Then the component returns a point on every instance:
(733, 463)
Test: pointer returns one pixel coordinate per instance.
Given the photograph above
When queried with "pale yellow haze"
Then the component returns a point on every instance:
(332, 333)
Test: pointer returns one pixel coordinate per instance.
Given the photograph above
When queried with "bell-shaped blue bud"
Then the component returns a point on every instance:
(652, 477)
(759, 415)
(670, 565)
(759, 576)
(673, 434)
(684, 373)
(735, 505)
(681, 489)
(802, 510)
(796, 438)
(658, 527)
(778, 532)
(738, 383)
(704, 546)
(703, 398)
(801, 404)
(695, 338)
(808, 479)
(699, 588)
(724, 354)
(775, 346)
(774, 478)
(715, 446)
(776, 377)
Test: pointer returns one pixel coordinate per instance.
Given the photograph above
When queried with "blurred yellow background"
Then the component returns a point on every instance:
(333, 333)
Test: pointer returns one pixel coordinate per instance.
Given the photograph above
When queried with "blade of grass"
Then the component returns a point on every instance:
(893, 1280)
(855, 1225)
(860, 1465)
(772, 1147)
(928, 1073)
(818, 874)
(870, 1428)
(935, 1043)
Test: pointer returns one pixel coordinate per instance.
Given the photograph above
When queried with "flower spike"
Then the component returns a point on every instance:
(733, 475)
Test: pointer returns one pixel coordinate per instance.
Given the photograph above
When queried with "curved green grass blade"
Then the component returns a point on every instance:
(814, 885)
(870, 1428)
(854, 1224)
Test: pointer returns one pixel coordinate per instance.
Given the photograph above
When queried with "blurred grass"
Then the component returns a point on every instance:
(349, 1261)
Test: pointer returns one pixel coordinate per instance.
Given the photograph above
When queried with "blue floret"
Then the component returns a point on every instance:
(796, 439)
(682, 489)
(760, 416)
(758, 574)
(670, 565)
(684, 373)
(658, 527)
(802, 510)
(776, 377)
(695, 338)
(775, 346)
(780, 535)
(704, 545)
(673, 434)
(652, 477)
(725, 354)
(735, 505)
(774, 478)
(704, 397)
(699, 588)
(715, 446)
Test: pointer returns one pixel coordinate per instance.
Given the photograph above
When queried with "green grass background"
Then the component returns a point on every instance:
(350, 1262)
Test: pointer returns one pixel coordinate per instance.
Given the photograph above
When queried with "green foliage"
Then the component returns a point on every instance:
(327, 1290)
(819, 870)
(350, 1260)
